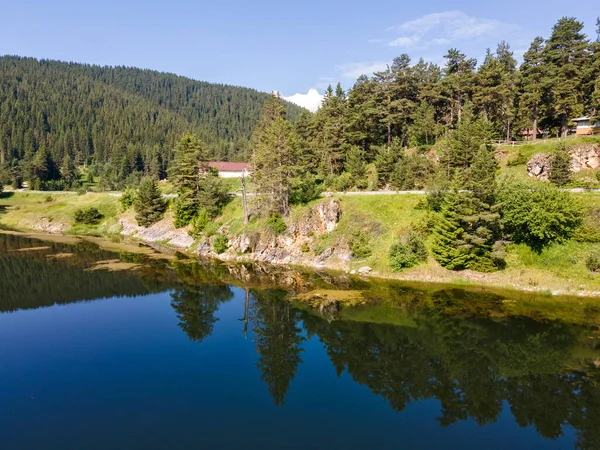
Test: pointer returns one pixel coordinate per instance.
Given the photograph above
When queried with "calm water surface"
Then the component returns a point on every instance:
(97, 355)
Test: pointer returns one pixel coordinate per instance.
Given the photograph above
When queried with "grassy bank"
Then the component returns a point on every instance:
(558, 269)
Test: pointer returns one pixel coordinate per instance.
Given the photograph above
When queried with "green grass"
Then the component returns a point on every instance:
(23, 210)
(381, 218)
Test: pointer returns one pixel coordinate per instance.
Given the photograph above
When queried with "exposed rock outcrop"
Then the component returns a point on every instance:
(585, 157)
(539, 166)
(163, 231)
(582, 157)
(290, 247)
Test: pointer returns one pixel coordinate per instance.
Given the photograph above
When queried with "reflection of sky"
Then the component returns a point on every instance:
(120, 373)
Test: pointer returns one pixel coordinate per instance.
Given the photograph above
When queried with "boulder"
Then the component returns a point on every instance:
(365, 270)
(585, 157)
(539, 166)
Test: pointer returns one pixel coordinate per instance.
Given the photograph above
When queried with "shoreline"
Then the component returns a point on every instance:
(466, 280)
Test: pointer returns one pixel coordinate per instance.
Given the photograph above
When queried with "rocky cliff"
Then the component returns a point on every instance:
(257, 246)
(585, 156)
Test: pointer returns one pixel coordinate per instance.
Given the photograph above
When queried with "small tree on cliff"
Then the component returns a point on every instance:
(149, 205)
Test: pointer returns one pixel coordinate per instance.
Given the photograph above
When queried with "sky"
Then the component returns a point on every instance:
(295, 48)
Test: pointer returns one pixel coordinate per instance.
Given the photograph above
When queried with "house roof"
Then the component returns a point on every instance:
(224, 166)
(581, 119)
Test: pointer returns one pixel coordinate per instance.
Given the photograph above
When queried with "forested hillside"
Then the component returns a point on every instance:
(55, 116)
(418, 104)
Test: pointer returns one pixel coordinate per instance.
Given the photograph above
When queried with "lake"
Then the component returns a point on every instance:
(102, 349)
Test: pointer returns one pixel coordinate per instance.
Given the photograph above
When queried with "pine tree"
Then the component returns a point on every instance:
(566, 54)
(274, 159)
(458, 82)
(533, 85)
(68, 172)
(189, 166)
(560, 171)
(149, 204)
(448, 247)
(465, 235)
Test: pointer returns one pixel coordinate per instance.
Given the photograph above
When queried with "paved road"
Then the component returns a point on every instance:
(250, 194)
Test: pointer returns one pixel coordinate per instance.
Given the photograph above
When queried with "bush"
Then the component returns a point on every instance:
(276, 224)
(199, 223)
(220, 243)
(359, 245)
(592, 262)
(589, 231)
(90, 216)
(519, 160)
(538, 215)
(598, 176)
(343, 182)
(407, 252)
(305, 189)
(127, 199)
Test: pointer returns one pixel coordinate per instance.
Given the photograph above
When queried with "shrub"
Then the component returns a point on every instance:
(220, 243)
(305, 189)
(127, 199)
(199, 223)
(49, 199)
(89, 216)
(359, 245)
(589, 231)
(343, 182)
(519, 160)
(538, 215)
(598, 176)
(592, 262)
(276, 224)
(407, 252)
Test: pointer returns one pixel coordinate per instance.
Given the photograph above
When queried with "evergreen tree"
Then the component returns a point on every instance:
(449, 245)
(198, 187)
(465, 236)
(560, 170)
(566, 54)
(68, 171)
(533, 85)
(460, 146)
(274, 159)
(458, 82)
(149, 204)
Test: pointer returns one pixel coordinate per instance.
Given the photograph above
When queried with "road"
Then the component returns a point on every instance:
(250, 194)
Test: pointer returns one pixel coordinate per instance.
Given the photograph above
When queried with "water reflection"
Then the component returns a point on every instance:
(477, 354)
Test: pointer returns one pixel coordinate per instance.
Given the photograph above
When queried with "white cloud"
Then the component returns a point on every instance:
(355, 70)
(445, 28)
(311, 100)
(404, 41)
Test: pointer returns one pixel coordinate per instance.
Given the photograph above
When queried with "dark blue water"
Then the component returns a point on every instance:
(215, 366)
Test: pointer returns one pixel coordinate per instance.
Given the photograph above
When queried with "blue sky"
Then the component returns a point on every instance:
(271, 45)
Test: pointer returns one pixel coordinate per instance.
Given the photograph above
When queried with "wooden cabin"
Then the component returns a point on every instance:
(586, 126)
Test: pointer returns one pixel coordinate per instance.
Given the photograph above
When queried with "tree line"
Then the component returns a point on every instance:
(118, 122)
(414, 105)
